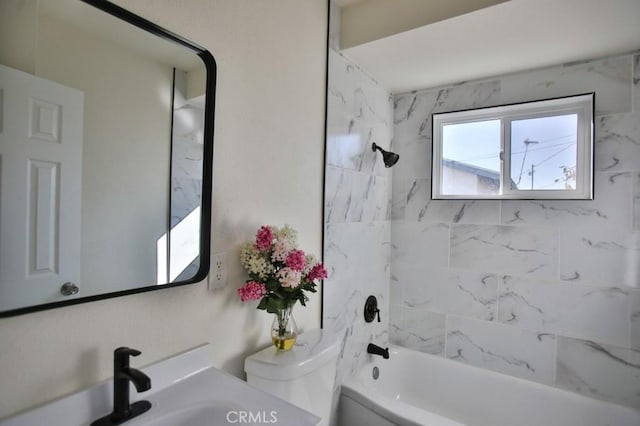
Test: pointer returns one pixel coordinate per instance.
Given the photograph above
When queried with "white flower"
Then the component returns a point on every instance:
(286, 233)
(254, 262)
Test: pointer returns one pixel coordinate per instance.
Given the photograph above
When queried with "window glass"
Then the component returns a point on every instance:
(532, 150)
(471, 157)
(544, 153)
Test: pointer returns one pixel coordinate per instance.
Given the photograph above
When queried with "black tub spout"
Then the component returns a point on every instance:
(377, 350)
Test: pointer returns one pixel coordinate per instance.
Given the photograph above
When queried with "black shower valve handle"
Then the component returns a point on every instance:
(371, 309)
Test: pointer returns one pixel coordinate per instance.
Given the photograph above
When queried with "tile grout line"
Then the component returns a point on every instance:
(633, 70)
(629, 296)
(635, 177)
(498, 288)
(446, 335)
(559, 254)
(555, 361)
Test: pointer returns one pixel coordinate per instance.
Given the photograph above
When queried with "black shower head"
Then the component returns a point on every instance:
(389, 158)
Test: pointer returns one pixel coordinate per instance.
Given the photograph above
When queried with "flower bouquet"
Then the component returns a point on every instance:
(280, 274)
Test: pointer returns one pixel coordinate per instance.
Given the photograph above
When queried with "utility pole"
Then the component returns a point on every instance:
(526, 143)
(532, 176)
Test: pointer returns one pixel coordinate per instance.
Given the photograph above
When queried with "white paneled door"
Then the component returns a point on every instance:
(40, 188)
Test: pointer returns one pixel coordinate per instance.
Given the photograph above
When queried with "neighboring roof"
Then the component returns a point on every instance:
(470, 168)
(480, 171)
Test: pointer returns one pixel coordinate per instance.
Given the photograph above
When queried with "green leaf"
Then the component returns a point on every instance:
(263, 303)
(274, 305)
(272, 285)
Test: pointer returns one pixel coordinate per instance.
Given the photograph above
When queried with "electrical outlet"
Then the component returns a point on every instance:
(218, 273)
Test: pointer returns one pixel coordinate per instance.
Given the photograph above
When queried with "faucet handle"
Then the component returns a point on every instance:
(121, 357)
(124, 351)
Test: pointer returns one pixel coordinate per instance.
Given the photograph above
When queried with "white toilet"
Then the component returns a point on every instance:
(303, 376)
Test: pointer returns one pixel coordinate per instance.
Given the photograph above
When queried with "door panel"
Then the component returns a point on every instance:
(40, 184)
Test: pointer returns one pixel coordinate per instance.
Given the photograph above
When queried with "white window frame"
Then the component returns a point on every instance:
(582, 105)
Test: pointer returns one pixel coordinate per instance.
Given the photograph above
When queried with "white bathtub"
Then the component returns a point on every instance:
(414, 388)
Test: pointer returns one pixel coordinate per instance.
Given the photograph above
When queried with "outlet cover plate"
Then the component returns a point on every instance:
(218, 272)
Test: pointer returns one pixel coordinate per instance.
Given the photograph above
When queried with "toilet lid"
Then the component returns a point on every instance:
(312, 350)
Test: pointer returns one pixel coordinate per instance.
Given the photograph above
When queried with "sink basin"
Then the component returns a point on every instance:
(214, 413)
(186, 391)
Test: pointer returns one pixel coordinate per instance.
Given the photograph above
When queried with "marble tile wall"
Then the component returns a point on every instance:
(357, 247)
(547, 291)
(186, 171)
(186, 150)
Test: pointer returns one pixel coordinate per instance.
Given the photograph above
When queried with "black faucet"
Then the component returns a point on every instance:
(377, 350)
(122, 375)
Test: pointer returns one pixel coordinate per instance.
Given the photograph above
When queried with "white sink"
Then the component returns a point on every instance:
(186, 390)
(214, 413)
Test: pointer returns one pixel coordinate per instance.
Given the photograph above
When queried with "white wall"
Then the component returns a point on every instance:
(18, 17)
(267, 169)
(364, 22)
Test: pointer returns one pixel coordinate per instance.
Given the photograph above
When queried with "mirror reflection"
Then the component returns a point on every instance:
(101, 154)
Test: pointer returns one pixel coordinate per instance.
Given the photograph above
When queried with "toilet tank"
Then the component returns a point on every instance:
(303, 376)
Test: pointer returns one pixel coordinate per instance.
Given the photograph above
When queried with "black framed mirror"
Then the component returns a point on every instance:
(106, 149)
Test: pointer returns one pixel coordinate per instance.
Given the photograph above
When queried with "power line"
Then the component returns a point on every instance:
(520, 152)
(553, 155)
(545, 148)
(533, 166)
(555, 181)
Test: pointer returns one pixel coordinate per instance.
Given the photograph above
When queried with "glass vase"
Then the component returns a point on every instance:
(284, 329)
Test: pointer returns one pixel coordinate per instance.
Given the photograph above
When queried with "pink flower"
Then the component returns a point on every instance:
(317, 273)
(296, 260)
(252, 290)
(264, 238)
